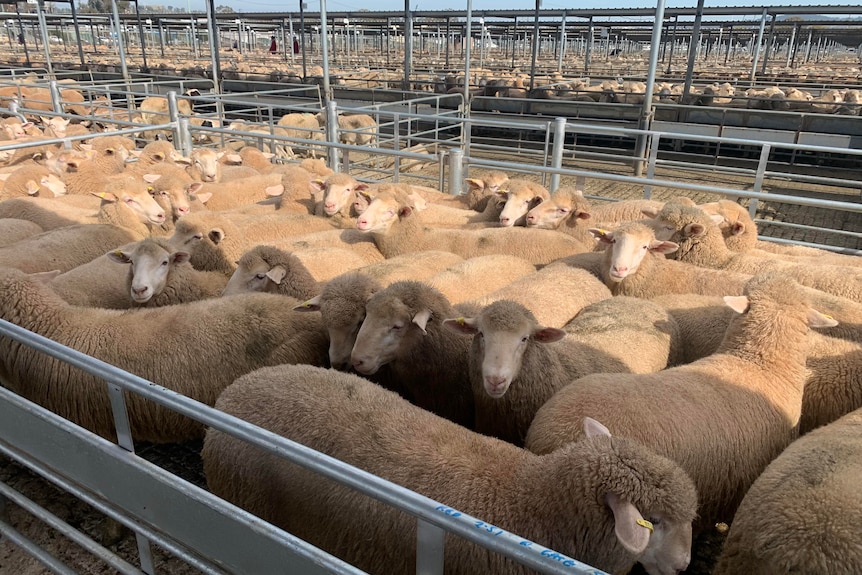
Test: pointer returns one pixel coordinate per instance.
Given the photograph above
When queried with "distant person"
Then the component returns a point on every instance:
(295, 46)
(273, 47)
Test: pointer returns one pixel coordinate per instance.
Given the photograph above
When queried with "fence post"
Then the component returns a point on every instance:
(456, 161)
(758, 178)
(56, 98)
(429, 549)
(653, 159)
(174, 114)
(557, 151)
(332, 134)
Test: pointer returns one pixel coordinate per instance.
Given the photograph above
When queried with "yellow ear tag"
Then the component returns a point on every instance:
(102, 195)
(460, 321)
(603, 232)
(149, 188)
(118, 253)
(645, 523)
(827, 316)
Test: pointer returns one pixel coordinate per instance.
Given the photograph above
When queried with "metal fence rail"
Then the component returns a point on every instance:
(194, 522)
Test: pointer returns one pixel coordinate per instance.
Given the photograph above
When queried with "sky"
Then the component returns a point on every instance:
(398, 5)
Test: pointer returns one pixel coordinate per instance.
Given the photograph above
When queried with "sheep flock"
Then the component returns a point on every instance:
(611, 381)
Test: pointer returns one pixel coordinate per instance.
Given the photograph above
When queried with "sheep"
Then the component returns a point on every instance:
(802, 513)
(476, 277)
(623, 211)
(158, 275)
(419, 266)
(338, 191)
(32, 181)
(155, 153)
(314, 166)
(302, 126)
(740, 235)
(355, 129)
(397, 229)
(701, 243)
(254, 158)
(174, 190)
(433, 214)
(270, 270)
(635, 265)
(13, 230)
(741, 404)
(481, 189)
(97, 174)
(554, 294)
(216, 240)
(237, 193)
(834, 384)
(207, 345)
(325, 263)
(516, 364)
(204, 166)
(353, 240)
(521, 196)
(607, 483)
(403, 329)
(564, 211)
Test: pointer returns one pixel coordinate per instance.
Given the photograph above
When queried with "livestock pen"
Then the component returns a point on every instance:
(175, 515)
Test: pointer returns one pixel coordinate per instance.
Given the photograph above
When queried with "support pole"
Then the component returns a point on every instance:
(514, 41)
(769, 44)
(120, 47)
(535, 47)
(562, 43)
(757, 47)
(672, 44)
(302, 37)
(77, 32)
(408, 46)
(589, 48)
(214, 45)
(324, 54)
(647, 110)
(145, 69)
(692, 50)
(22, 36)
(43, 30)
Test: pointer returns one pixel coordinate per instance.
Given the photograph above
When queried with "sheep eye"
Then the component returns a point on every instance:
(524, 339)
(645, 247)
(164, 263)
(260, 276)
(396, 327)
(655, 521)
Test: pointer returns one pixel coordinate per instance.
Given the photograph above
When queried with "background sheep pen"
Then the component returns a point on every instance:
(426, 158)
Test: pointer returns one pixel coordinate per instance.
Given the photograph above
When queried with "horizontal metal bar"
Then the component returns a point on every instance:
(55, 565)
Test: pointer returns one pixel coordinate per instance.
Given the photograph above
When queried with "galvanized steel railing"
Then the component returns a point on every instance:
(193, 523)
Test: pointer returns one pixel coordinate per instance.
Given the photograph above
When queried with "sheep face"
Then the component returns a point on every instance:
(149, 268)
(519, 201)
(343, 332)
(206, 163)
(381, 213)
(389, 327)
(53, 184)
(254, 276)
(629, 246)
(565, 205)
(338, 192)
(502, 333)
(669, 549)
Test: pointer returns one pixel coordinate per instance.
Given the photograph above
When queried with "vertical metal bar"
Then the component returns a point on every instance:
(589, 48)
(174, 113)
(672, 43)
(514, 40)
(791, 50)
(465, 46)
(161, 38)
(562, 43)
(692, 50)
(448, 39)
(331, 133)
(93, 36)
(647, 109)
(56, 98)
(194, 32)
(408, 45)
(146, 68)
(77, 31)
(729, 44)
(557, 151)
(23, 36)
(214, 45)
(118, 28)
(768, 45)
(535, 45)
(757, 46)
(758, 177)
(456, 162)
(429, 549)
(302, 37)
(43, 30)
(324, 54)
(286, 48)
(396, 143)
(653, 159)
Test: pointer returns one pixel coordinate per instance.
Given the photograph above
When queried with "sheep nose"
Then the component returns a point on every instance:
(531, 219)
(504, 221)
(495, 381)
(183, 210)
(139, 291)
(621, 269)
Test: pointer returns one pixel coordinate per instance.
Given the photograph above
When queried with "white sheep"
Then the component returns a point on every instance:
(196, 349)
(480, 190)
(419, 266)
(722, 418)
(13, 230)
(521, 196)
(610, 484)
(32, 181)
(802, 513)
(397, 229)
(403, 329)
(701, 243)
(474, 278)
(516, 364)
(158, 275)
(271, 270)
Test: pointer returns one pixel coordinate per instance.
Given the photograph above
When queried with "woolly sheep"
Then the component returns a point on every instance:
(701, 243)
(236, 193)
(566, 211)
(516, 364)
(740, 405)
(14, 230)
(403, 329)
(555, 294)
(480, 190)
(353, 240)
(325, 263)
(419, 266)
(158, 275)
(802, 514)
(607, 483)
(204, 165)
(97, 173)
(477, 277)
(271, 270)
(635, 265)
(32, 181)
(338, 191)
(834, 384)
(433, 214)
(208, 344)
(521, 197)
(397, 229)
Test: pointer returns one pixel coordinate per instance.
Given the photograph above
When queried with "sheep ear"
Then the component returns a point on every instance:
(603, 236)
(45, 277)
(502, 194)
(216, 235)
(418, 201)
(592, 428)
(404, 211)
(312, 304)
(548, 335)
(817, 319)
(535, 202)
(106, 196)
(235, 158)
(277, 274)
(628, 524)
(462, 325)
(717, 219)
(268, 155)
(119, 256)
(694, 229)
(738, 303)
(204, 198)
(659, 247)
(650, 212)
(183, 160)
(274, 191)
(474, 184)
(194, 187)
(421, 319)
(180, 257)
(360, 186)
(317, 185)
(737, 228)
(32, 188)
(151, 178)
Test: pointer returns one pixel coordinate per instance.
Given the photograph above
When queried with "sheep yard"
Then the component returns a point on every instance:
(272, 161)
